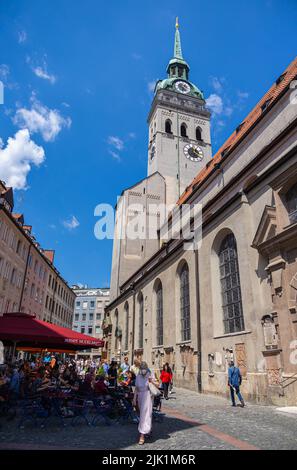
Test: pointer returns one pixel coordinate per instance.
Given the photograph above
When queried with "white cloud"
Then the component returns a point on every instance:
(151, 86)
(114, 155)
(42, 72)
(136, 56)
(215, 103)
(243, 94)
(17, 157)
(4, 71)
(71, 223)
(115, 142)
(132, 135)
(49, 122)
(228, 110)
(22, 36)
(217, 83)
(5, 77)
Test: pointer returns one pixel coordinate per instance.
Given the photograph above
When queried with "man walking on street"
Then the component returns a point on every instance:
(234, 382)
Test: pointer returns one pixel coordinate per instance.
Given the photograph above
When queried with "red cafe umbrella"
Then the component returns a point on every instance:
(27, 330)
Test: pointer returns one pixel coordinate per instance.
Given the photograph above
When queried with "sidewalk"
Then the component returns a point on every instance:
(192, 422)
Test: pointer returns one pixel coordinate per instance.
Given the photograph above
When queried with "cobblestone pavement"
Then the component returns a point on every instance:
(192, 422)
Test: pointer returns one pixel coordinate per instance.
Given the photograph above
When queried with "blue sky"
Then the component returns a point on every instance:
(78, 78)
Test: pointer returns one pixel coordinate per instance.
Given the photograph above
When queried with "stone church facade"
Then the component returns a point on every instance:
(234, 298)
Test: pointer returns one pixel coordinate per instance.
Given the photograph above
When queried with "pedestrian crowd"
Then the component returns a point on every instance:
(45, 376)
(50, 374)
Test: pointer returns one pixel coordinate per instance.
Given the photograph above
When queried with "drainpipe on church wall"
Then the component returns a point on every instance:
(199, 348)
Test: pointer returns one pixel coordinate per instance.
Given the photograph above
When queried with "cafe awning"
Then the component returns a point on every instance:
(26, 330)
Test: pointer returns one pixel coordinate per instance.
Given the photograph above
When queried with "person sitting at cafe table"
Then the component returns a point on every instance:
(113, 374)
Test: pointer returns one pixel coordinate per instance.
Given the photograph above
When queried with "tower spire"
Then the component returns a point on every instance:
(177, 42)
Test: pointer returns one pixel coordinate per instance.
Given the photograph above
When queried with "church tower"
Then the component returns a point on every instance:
(179, 127)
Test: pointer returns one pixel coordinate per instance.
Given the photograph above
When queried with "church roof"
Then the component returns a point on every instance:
(241, 131)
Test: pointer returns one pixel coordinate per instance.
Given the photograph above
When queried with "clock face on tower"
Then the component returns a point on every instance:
(182, 87)
(193, 152)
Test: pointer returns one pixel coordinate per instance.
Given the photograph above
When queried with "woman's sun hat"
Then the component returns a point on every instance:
(143, 365)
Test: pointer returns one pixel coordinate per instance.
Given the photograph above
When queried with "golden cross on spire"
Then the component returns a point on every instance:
(176, 23)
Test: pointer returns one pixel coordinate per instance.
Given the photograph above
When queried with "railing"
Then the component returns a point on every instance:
(294, 377)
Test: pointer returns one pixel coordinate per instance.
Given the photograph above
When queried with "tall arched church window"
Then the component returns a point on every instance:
(230, 286)
(127, 327)
(159, 314)
(168, 125)
(291, 198)
(140, 319)
(116, 315)
(183, 130)
(198, 133)
(185, 304)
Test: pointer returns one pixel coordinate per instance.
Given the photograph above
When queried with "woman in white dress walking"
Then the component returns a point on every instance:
(144, 399)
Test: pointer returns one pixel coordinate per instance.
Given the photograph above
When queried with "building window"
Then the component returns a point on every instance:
(291, 198)
(92, 304)
(84, 317)
(76, 317)
(91, 316)
(168, 125)
(140, 319)
(230, 285)
(185, 304)
(13, 276)
(77, 304)
(18, 248)
(198, 133)
(85, 305)
(98, 316)
(127, 327)
(90, 330)
(183, 130)
(159, 314)
(82, 329)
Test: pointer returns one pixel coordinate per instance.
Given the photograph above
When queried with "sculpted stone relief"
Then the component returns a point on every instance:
(269, 332)
(241, 358)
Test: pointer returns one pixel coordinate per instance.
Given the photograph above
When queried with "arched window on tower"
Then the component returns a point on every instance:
(140, 320)
(126, 308)
(198, 133)
(230, 285)
(116, 316)
(168, 125)
(185, 304)
(183, 130)
(159, 314)
(291, 198)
